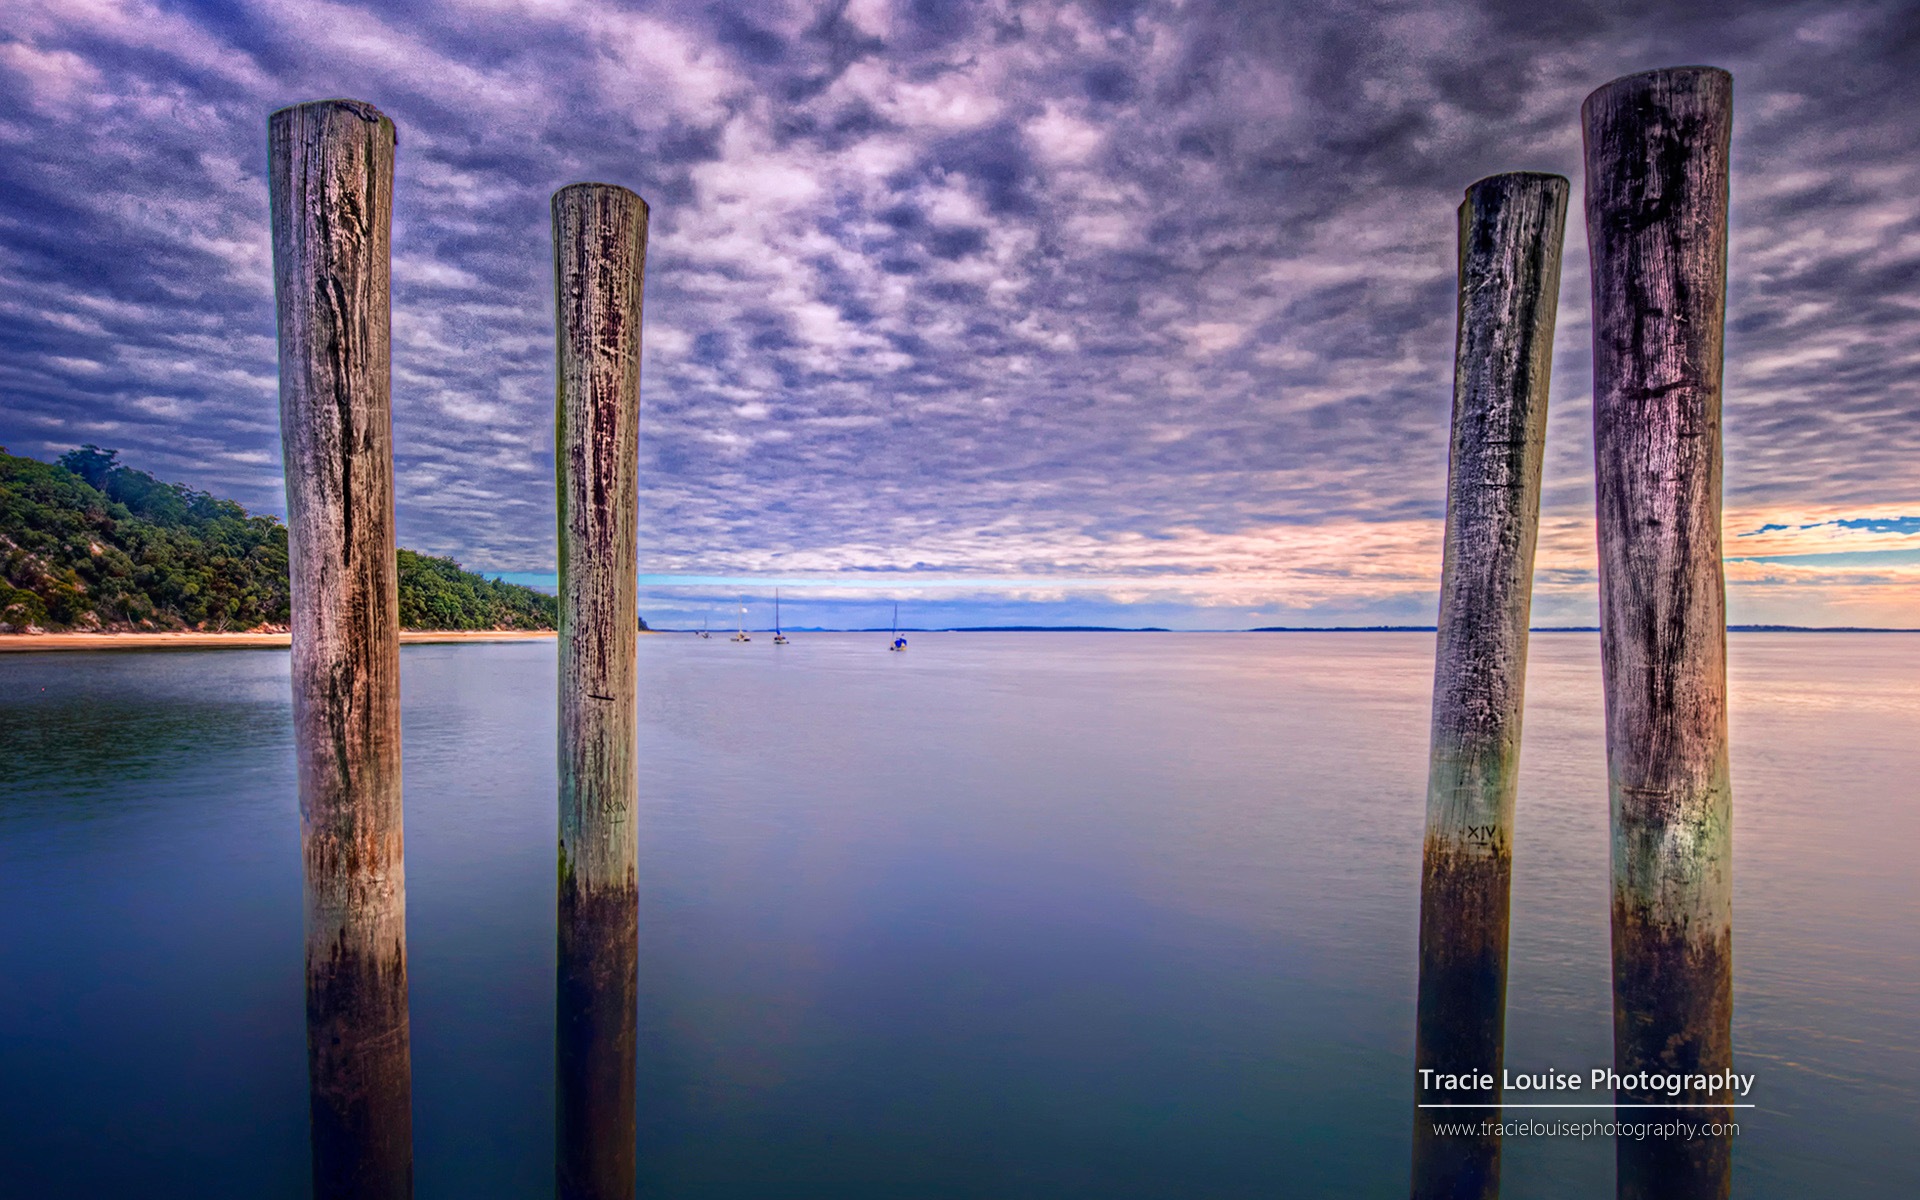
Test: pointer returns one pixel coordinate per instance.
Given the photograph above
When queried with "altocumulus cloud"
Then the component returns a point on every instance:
(1153, 294)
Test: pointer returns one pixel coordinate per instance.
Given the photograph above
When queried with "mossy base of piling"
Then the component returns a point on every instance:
(596, 1019)
(360, 1071)
(1672, 1014)
(1461, 1022)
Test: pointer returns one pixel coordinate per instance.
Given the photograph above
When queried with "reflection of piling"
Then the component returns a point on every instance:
(1656, 150)
(331, 183)
(1510, 234)
(599, 256)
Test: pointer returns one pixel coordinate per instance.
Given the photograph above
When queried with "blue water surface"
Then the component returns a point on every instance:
(1022, 915)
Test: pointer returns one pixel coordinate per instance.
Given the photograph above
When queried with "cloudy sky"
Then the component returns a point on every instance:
(1136, 313)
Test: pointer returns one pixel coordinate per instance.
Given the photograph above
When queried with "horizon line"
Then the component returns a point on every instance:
(1254, 629)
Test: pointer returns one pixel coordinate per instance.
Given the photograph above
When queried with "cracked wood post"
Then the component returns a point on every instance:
(331, 192)
(599, 260)
(1511, 227)
(1656, 160)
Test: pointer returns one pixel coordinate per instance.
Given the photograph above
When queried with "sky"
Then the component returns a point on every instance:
(1104, 313)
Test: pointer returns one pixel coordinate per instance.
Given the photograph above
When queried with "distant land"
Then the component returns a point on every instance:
(90, 545)
(1041, 629)
(960, 629)
(1344, 629)
(965, 629)
(1814, 629)
(1286, 629)
(1569, 629)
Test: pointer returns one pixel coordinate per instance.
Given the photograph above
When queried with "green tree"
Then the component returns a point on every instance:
(93, 544)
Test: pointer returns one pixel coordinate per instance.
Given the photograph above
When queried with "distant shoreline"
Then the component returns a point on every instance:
(33, 642)
(26, 642)
(1281, 629)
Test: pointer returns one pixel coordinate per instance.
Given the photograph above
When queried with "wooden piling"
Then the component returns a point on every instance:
(331, 193)
(599, 260)
(1511, 228)
(1656, 161)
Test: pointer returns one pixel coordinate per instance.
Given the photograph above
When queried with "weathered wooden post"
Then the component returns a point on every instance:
(599, 261)
(1656, 151)
(331, 191)
(1511, 228)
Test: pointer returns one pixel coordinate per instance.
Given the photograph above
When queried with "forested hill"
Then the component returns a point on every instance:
(87, 543)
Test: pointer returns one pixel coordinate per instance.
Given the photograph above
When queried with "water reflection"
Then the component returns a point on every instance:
(1048, 915)
(79, 727)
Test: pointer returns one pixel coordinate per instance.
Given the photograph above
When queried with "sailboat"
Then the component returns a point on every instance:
(742, 635)
(703, 628)
(898, 642)
(779, 639)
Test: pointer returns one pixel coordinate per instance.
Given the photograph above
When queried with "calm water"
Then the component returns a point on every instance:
(1023, 915)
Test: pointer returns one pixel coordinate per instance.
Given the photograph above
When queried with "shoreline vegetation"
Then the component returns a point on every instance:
(89, 546)
(280, 640)
(241, 640)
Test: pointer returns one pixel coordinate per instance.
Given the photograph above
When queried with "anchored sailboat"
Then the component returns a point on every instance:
(898, 642)
(703, 628)
(779, 639)
(741, 636)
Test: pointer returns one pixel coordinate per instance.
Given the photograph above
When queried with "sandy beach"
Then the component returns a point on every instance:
(236, 641)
